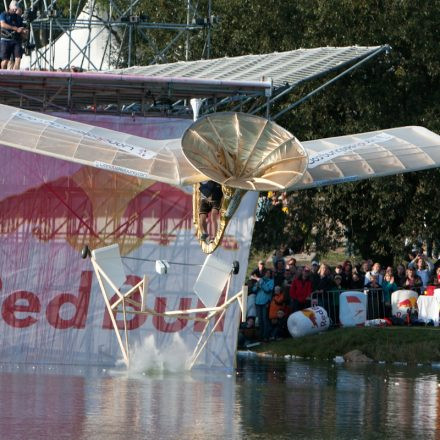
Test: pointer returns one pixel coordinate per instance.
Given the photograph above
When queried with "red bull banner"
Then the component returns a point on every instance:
(52, 310)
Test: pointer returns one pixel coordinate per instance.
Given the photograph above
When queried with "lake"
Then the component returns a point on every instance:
(264, 398)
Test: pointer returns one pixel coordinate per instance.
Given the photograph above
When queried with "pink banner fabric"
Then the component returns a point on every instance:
(52, 310)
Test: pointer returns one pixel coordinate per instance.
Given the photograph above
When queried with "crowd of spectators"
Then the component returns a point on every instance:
(280, 287)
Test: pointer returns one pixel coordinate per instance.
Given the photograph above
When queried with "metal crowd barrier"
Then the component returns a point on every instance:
(329, 300)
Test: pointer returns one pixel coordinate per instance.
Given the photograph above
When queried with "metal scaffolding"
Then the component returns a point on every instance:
(67, 54)
(249, 83)
(95, 38)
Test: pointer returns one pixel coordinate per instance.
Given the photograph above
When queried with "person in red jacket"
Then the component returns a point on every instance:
(300, 290)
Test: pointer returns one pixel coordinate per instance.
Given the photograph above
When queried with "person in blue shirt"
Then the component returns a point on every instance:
(12, 29)
(264, 290)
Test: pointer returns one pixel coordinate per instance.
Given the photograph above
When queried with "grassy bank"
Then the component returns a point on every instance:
(390, 344)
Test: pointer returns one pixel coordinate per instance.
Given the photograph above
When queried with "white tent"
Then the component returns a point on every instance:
(86, 45)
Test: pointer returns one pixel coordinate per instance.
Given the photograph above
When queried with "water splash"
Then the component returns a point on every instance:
(148, 358)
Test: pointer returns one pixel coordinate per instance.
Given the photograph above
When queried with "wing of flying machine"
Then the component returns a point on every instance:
(159, 160)
(242, 152)
(366, 155)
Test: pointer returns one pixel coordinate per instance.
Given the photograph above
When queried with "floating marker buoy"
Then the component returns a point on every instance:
(308, 321)
(402, 301)
(353, 308)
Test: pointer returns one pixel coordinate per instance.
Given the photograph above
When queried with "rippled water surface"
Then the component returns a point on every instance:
(263, 399)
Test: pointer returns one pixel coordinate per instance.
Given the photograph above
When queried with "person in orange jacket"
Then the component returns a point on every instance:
(278, 313)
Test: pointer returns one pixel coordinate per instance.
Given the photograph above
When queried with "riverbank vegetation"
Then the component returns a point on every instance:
(390, 344)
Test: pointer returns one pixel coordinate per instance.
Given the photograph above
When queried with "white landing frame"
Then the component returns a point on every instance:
(108, 289)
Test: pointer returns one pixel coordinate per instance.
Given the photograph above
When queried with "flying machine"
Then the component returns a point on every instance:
(113, 187)
(241, 152)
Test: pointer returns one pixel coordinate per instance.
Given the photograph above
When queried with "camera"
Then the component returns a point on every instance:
(29, 15)
(28, 48)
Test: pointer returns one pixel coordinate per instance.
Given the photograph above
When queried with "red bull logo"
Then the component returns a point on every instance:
(356, 301)
(98, 208)
(311, 315)
(409, 303)
(66, 310)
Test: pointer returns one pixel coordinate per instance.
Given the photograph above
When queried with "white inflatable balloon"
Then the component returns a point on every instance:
(402, 300)
(352, 309)
(308, 321)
